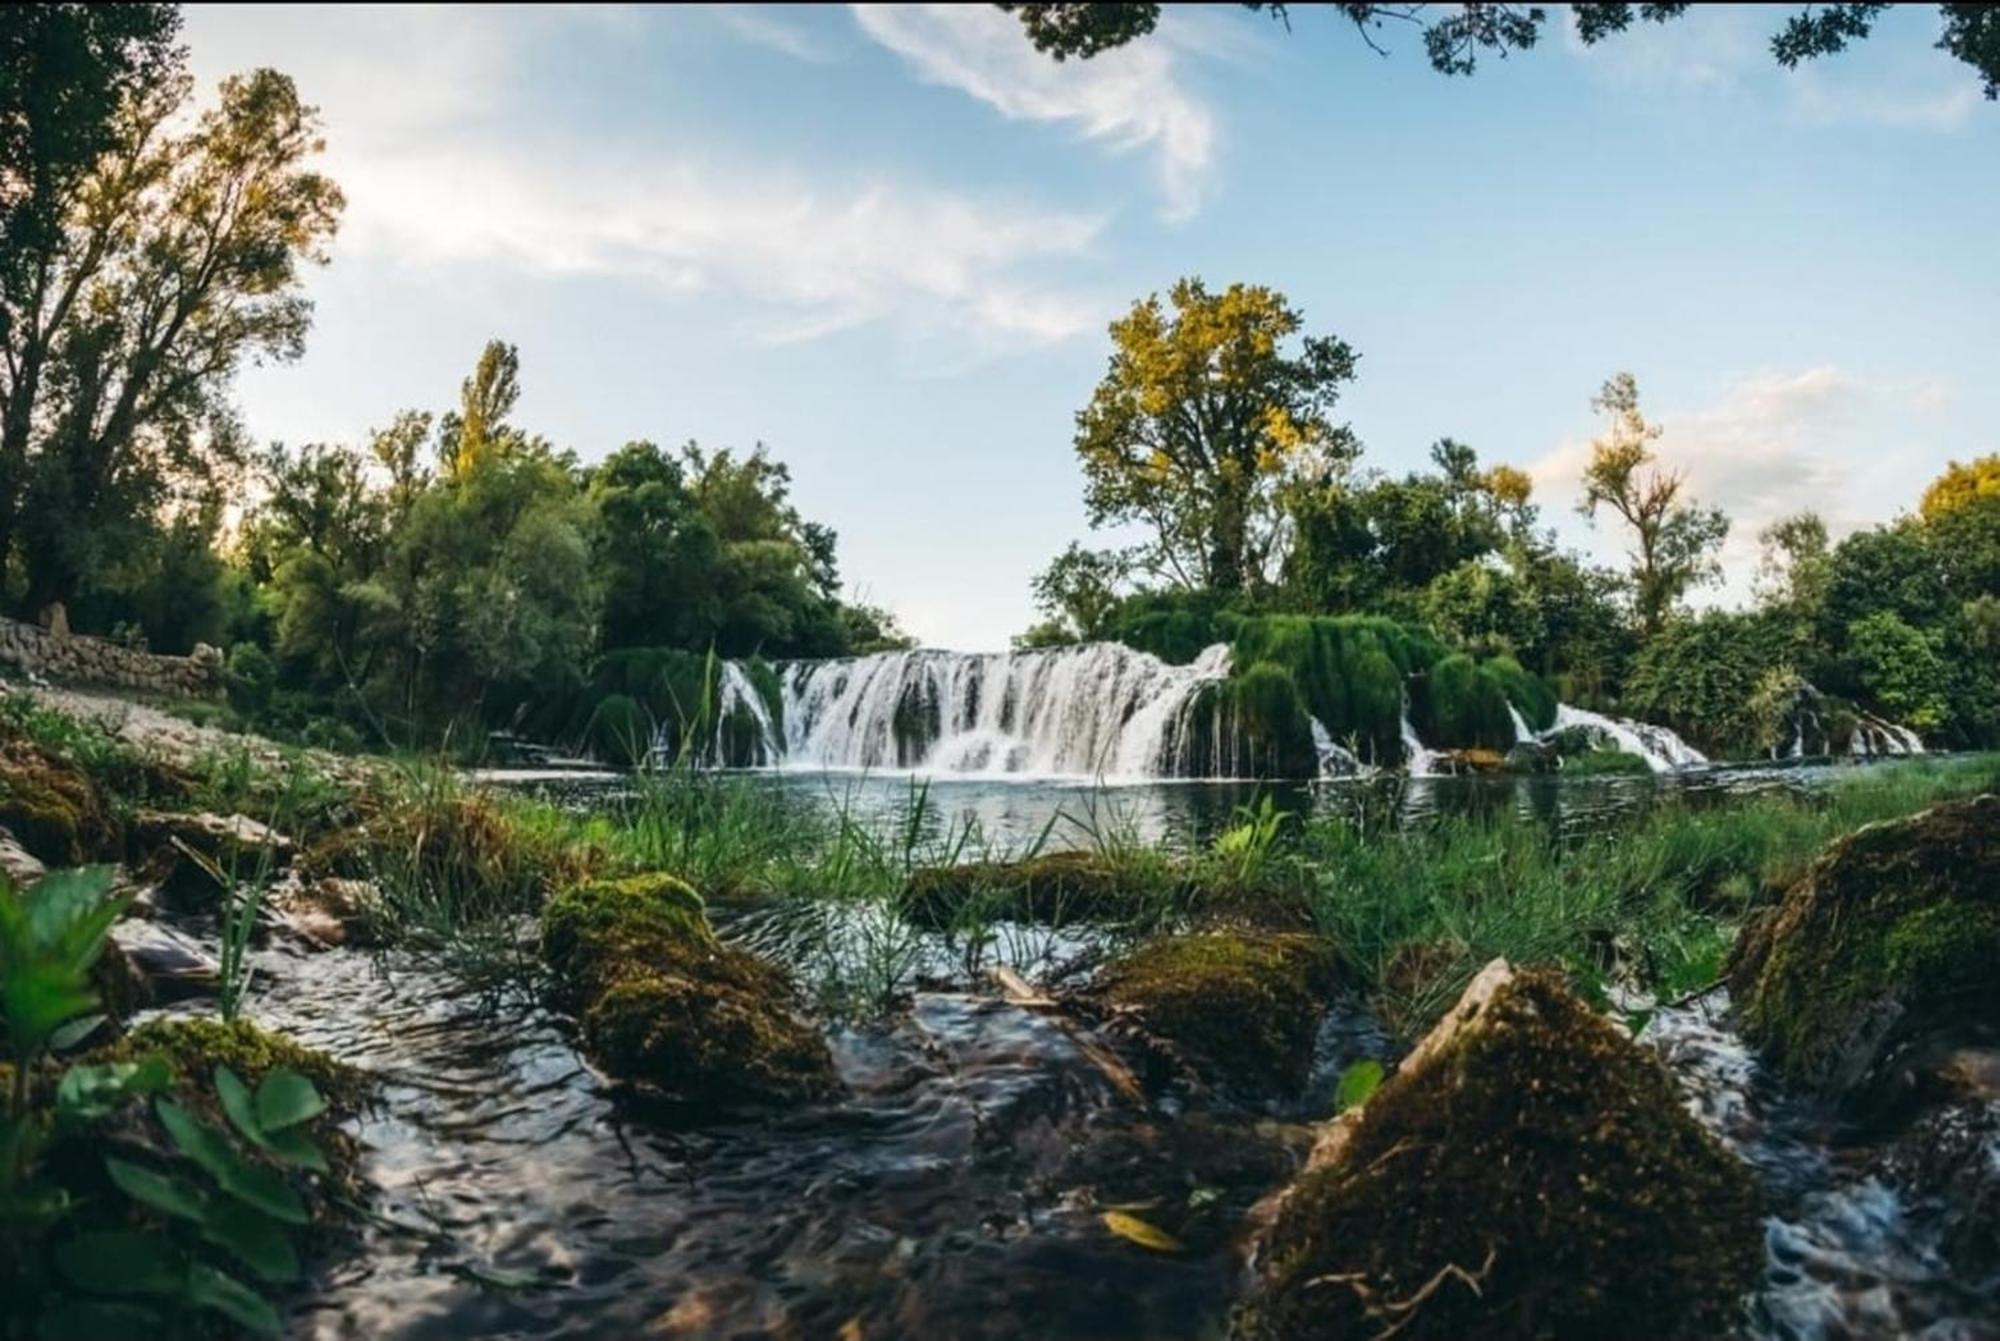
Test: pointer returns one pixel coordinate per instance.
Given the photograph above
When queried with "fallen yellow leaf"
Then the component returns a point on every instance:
(1135, 1230)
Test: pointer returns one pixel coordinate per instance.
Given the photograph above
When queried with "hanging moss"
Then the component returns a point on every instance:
(1892, 932)
(1270, 714)
(1530, 694)
(1532, 1176)
(1242, 1007)
(1465, 707)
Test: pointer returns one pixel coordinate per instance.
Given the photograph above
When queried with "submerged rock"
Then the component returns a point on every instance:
(1241, 1007)
(1527, 1172)
(661, 1002)
(1891, 935)
(1053, 889)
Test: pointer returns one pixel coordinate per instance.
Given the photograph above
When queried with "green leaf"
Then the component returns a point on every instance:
(256, 1240)
(238, 1104)
(1357, 1082)
(249, 1183)
(285, 1099)
(163, 1193)
(69, 1035)
(92, 1093)
(120, 1261)
(293, 1147)
(209, 1288)
(95, 1319)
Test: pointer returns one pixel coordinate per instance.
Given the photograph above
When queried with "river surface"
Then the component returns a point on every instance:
(1017, 813)
(957, 1189)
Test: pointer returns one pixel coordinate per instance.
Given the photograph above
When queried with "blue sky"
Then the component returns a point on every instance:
(886, 241)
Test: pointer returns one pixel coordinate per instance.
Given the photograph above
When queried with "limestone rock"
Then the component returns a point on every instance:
(1889, 937)
(1528, 1171)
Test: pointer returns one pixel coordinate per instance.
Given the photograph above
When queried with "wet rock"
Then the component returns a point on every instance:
(1058, 888)
(17, 863)
(663, 1003)
(1240, 1007)
(1528, 1171)
(1890, 936)
(328, 912)
(167, 965)
(192, 855)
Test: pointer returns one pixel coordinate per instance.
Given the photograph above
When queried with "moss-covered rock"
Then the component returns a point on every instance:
(53, 808)
(1600, 763)
(1241, 1007)
(1527, 1172)
(1057, 888)
(1892, 933)
(662, 1003)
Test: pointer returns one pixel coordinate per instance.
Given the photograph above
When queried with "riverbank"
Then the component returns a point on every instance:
(923, 1083)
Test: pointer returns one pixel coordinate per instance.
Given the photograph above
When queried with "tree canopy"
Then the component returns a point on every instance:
(1455, 36)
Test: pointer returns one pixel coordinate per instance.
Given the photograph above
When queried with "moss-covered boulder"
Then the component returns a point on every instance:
(1892, 934)
(662, 1003)
(1528, 1171)
(1241, 1007)
(53, 808)
(1053, 889)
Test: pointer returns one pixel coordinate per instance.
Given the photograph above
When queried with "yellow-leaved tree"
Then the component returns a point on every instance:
(1206, 410)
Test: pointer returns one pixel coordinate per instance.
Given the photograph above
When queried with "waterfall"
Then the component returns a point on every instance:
(1662, 750)
(1522, 731)
(1092, 710)
(737, 700)
(1420, 761)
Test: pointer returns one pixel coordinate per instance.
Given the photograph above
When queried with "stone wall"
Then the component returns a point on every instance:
(75, 659)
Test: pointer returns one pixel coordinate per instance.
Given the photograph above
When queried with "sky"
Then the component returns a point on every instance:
(886, 241)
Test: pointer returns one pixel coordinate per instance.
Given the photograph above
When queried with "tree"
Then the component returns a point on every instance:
(1201, 417)
(1675, 541)
(485, 400)
(656, 550)
(1078, 593)
(1454, 36)
(1796, 566)
(1975, 483)
(177, 258)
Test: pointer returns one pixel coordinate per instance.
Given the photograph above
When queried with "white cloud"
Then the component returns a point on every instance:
(1127, 98)
(415, 104)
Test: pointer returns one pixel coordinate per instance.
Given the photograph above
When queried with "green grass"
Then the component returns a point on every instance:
(1651, 902)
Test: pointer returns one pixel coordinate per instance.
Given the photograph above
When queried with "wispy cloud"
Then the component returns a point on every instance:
(760, 26)
(435, 175)
(1725, 50)
(1129, 99)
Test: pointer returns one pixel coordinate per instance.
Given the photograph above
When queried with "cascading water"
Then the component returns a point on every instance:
(1660, 748)
(1093, 710)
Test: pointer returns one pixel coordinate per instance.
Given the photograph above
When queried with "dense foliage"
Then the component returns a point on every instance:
(1469, 603)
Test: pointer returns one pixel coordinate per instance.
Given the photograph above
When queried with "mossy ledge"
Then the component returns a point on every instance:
(1241, 1007)
(1892, 932)
(1528, 1172)
(1051, 890)
(661, 1003)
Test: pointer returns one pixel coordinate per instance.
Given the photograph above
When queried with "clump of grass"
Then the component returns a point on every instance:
(1651, 902)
